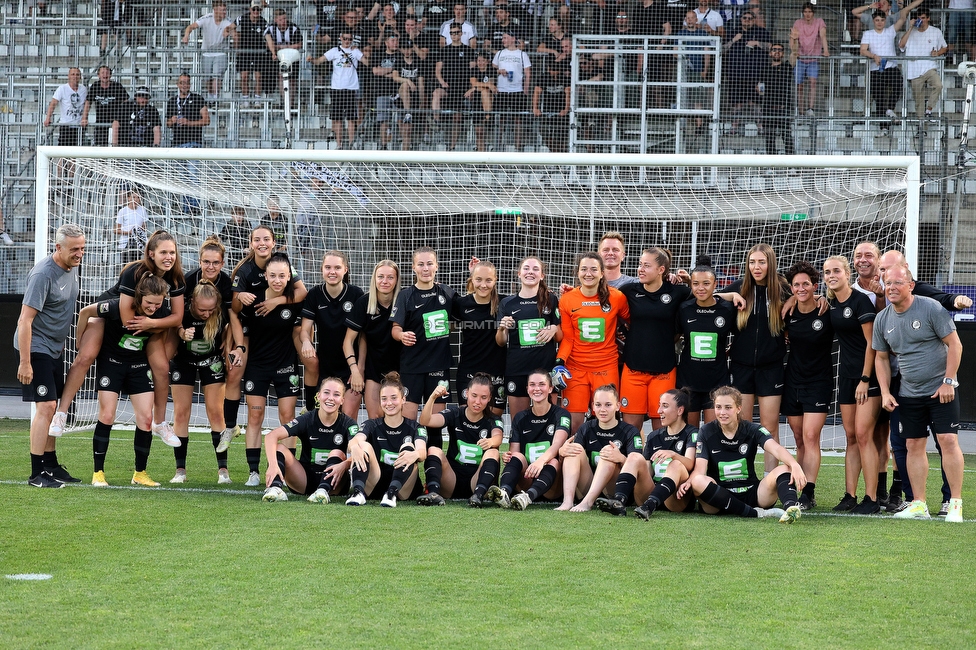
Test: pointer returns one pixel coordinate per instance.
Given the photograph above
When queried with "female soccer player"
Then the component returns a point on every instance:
(325, 310)
(476, 314)
(200, 353)
(725, 478)
(369, 324)
(123, 365)
(421, 321)
(272, 358)
(596, 456)
(808, 385)
(587, 356)
(528, 327)
(473, 438)
(671, 452)
(532, 459)
(385, 453)
(325, 433)
(649, 359)
(162, 260)
(759, 346)
(858, 393)
(705, 323)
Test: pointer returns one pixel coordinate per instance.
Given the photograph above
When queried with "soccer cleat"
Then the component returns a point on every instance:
(166, 433)
(98, 479)
(58, 424)
(807, 502)
(253, 480)
(647, 509)
(44, 480)
(499, 496)
(955, 511)
(475, 501)
(763, 513)
(60, 473)
(431, 499)
(180, 476)
(521, 501)
(894, 503)
(790, 515)
(274, 493)
(868, 506)
(226, 436)
(612, 506)
(944, 510)
(142, 478)
(388, 500)
(223, 476)
(848, 503)
(319, 496)
(915, 510)
(358, 498)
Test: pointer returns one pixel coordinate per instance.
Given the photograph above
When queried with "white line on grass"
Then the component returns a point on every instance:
(255, 492)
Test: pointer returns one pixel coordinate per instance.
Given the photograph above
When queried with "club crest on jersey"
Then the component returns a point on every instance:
(624, 402)
(407, 440)
(347, 306)
(104, 382)
(616, 443)
(42, 390)
(565, 401)
(483, 434)
(285, 314)
(679, 446)
(666, 298)
(337, 438)
(293, 422)
(848, 312)
(176, 375)
(743, 448)
(719, 321)
(103, 308)
(293, 380)
(817, 325)
(249, 385)
(605, 308)
(441, 300)
(916, 324)
(511, 386)
(464, 394)
(551, 429)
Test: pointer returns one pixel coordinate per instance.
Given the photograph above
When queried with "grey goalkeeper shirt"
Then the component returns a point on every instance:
(52, 291)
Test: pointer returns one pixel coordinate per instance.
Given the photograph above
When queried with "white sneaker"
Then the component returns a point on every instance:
(253, 480)
(223, 477)
(274, 493)
(770, 512)
(5, 238)
(166, 433)
(319, 496)
(915, 510)
(955, 511)
(58, 424)
(180, 476)
(388, 501)
(357, 499)
(225, 437)
(521, 501)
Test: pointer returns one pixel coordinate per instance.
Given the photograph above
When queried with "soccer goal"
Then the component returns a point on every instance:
(496, 206)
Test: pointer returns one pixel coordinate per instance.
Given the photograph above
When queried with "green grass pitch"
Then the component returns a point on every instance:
(201, 567)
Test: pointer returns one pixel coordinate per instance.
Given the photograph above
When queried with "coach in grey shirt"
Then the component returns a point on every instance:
(922, 334)
(42, 328)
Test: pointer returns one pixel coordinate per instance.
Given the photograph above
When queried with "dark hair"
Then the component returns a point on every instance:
(879, 14)
(147, 266)
(543, 299)
(392, 380)
(803, 267)
(661, 255)
(703, 265)
(345, 262)
(603, 289)
(289, 291)
(682, 399)
(480, 379)
(541, 371)
(249, 257)
(149, 285)
(809, 5)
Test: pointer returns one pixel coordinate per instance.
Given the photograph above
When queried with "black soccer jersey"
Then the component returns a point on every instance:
(318, 439)
(593, 437)
(463, 435)
(732, 461)
(382, 350)
(199, 349)
(479, 351)
(249, 279)
(270, 336)
(653, 318)
(223, 285)
(811, 341)
(386, 440)
(704, 364)
(756, 345)
(130, 277)
(119, 343)
(525, 353)
(534, 433)
(329, 315)
(427, 314)
(662, 439)
(847, 318)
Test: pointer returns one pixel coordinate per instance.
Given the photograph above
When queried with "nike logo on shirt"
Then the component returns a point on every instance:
(890, 331)
(468, 311)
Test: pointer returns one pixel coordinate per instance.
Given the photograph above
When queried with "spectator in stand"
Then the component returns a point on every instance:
(469, 34)
(283, 34)
(187, 114)
(923, 40)
(252, 60)
(214, 26)
(505, 25)
(410, 66)
(960, 28)
(550, 45)
(70, 99)
(696, 67)
(138, 124)
(345, 59)
(551, 98)
(384, 24)
(130, 226)
(453, 72)
(745, 61)
(327, 19)
(419, 44)
(652, 17)
(107, 97)
(808, 38)
(514, 77)
(114, 15)
(775, 87)
(390, 86)
(865, 13)
(483, 79)
(709, 20)
(878, 44)
(236, 235)
(275, 221)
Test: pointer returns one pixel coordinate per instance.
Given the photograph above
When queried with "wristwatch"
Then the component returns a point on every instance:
(951, 382)
(865, 379)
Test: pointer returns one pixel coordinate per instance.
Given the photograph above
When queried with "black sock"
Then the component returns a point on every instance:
(718, 497)
(359, 477)
(625, 487)
(486, 476)
(141, 444)
(432, 472)
(37, 464)
(400, 476)
(278, 481)
(231, 406)
(310, 398)
(253, 455)
(542, 484)
(895, 484)
(180, 453)
(786, 492)
(663, 490)
(222, 456)
(326, 484)
(808, 489)
(882, 486)
(514, 470)
(100, 444)
(50, 460)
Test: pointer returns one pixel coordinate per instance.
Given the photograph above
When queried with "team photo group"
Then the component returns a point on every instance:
(580, 369)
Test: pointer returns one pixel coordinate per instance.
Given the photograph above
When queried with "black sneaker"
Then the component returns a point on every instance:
(882, 498)
(44, 480)
(645, 511)
(431, 499)
(475, 501)
(846, 504)
(612, 506)
(807, 502)
(61, 473)
(894, 503)
(867, 507)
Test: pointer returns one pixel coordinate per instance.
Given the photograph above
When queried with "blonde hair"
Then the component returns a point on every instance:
(372, 303)
(846, 266)
(493, 298)
(205, 290)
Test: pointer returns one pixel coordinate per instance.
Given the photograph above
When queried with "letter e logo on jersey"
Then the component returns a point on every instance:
(592, 330)
(436, 324)
(703, 345)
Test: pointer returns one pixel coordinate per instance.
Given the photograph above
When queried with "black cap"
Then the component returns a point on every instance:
(143, 91)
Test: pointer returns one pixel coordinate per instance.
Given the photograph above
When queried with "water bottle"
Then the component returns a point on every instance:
(511, 76)
(881, 66)
(761, 88)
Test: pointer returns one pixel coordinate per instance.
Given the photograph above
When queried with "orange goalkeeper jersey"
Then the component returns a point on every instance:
(589, 330)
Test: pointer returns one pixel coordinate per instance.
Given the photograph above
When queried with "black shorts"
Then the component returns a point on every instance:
(343, 105)
(452, 100)
(386, 475)
(510, 103)
(517, 385)
(464, 474)
(313, 476)
(123, 377)
(69, 136)
(286, 380)
(48, 381)
(763, 381)
(919, 414)
(846, 388)
(418, 387)
(341, 372)
(253, 62)
(806, 398)
(748, 495)
(497, 389)
(700, 401)
(183, 372)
